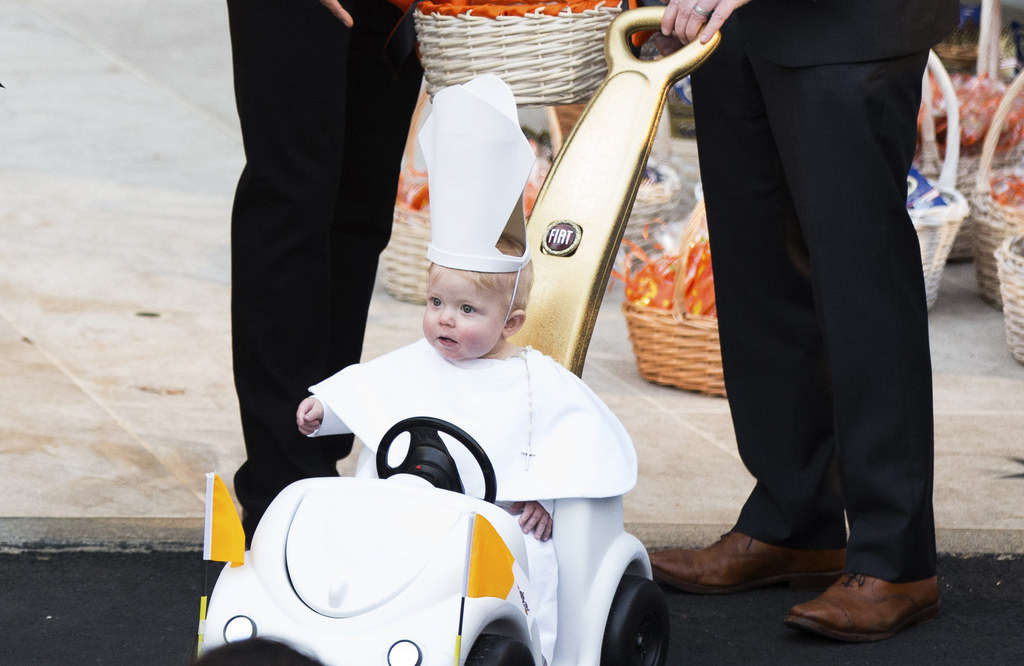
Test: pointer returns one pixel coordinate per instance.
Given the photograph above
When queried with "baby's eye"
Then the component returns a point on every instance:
(435, 301)
(468, 309)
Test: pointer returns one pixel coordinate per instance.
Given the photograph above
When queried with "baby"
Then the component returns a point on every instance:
(470, 315)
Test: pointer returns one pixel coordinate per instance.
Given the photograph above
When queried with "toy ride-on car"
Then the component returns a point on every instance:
(406, 570)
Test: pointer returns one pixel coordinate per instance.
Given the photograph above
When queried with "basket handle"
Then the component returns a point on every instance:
(948, 173)
(989, 28)
(988, 150)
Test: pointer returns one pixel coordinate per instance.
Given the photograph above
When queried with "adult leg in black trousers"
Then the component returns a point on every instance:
(821, 303)
(823, 327)
(324, 119)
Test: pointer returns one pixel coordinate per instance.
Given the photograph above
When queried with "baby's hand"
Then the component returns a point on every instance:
(309, 415)
(535, 519)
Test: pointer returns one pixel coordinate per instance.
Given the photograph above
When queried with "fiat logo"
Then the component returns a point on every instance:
(561, 238)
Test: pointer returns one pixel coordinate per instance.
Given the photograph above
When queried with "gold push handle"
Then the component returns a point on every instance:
(590, 189)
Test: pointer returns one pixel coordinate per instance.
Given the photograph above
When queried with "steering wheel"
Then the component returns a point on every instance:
(428, 456)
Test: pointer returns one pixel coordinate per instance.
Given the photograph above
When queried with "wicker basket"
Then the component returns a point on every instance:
(937, 227)
(994, 222)
(1010, 262)
(404, 263)
(967, 172)
(545, 59)
(959, 50)
(978, 52)
(936, 230)
(958, 57)
(674, 347)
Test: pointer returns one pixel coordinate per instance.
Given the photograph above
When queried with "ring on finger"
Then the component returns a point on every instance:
(703, 12)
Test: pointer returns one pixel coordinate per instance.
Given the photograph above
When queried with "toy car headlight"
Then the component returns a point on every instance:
(405, 653)
(239, 628)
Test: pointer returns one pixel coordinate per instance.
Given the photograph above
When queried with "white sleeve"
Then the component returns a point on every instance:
(331, 423)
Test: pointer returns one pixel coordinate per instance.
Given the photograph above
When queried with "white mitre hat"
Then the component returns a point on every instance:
(478, 162)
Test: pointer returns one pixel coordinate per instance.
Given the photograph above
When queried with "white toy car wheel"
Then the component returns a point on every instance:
(637, 630)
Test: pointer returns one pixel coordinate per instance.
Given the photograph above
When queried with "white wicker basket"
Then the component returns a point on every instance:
(1010, 262)
(403, 263)
(546, 60)
(985, 62)
(936, 230)
(994, 221)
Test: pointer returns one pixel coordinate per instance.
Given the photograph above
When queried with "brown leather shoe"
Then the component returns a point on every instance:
(740, 562)
(860, 608)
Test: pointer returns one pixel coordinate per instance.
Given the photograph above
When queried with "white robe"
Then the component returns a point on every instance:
(578, 447)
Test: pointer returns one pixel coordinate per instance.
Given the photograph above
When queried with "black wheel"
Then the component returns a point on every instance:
(637, 632)
(497, 650)
(429, 458)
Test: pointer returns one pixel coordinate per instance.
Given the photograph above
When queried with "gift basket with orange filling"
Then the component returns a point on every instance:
(1010, 264)
(996, 200)
(980, 84)
(549, 53)
(669, 308)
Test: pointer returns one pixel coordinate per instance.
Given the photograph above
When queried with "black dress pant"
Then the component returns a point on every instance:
(324, 120)
(821, 301)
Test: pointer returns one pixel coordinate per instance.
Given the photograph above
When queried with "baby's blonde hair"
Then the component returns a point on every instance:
(501, 283)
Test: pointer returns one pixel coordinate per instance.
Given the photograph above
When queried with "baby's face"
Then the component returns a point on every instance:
(463, 321)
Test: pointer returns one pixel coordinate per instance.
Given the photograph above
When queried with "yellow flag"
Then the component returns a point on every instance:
(224, 538)
(490, 562)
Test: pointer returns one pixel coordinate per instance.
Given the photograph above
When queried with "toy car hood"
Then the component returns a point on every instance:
(343, 562)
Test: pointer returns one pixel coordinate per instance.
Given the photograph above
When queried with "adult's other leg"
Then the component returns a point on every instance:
(380, 100)
(290, 80)
(846, 156)
(776, 368)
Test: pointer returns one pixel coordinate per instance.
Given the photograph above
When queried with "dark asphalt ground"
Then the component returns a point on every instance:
(67, 608)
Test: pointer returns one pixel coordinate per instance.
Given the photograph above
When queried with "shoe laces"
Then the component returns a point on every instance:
(854, 578)
(750, 539)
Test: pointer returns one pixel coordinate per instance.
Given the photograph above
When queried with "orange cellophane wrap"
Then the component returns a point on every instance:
(412, 190)
(650, 281)
(1008, 187)
(978, 98)
(496, 8)
(697, 276)
(404, 5)
(696, 286)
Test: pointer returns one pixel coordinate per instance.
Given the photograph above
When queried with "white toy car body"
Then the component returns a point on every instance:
(367, 571)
